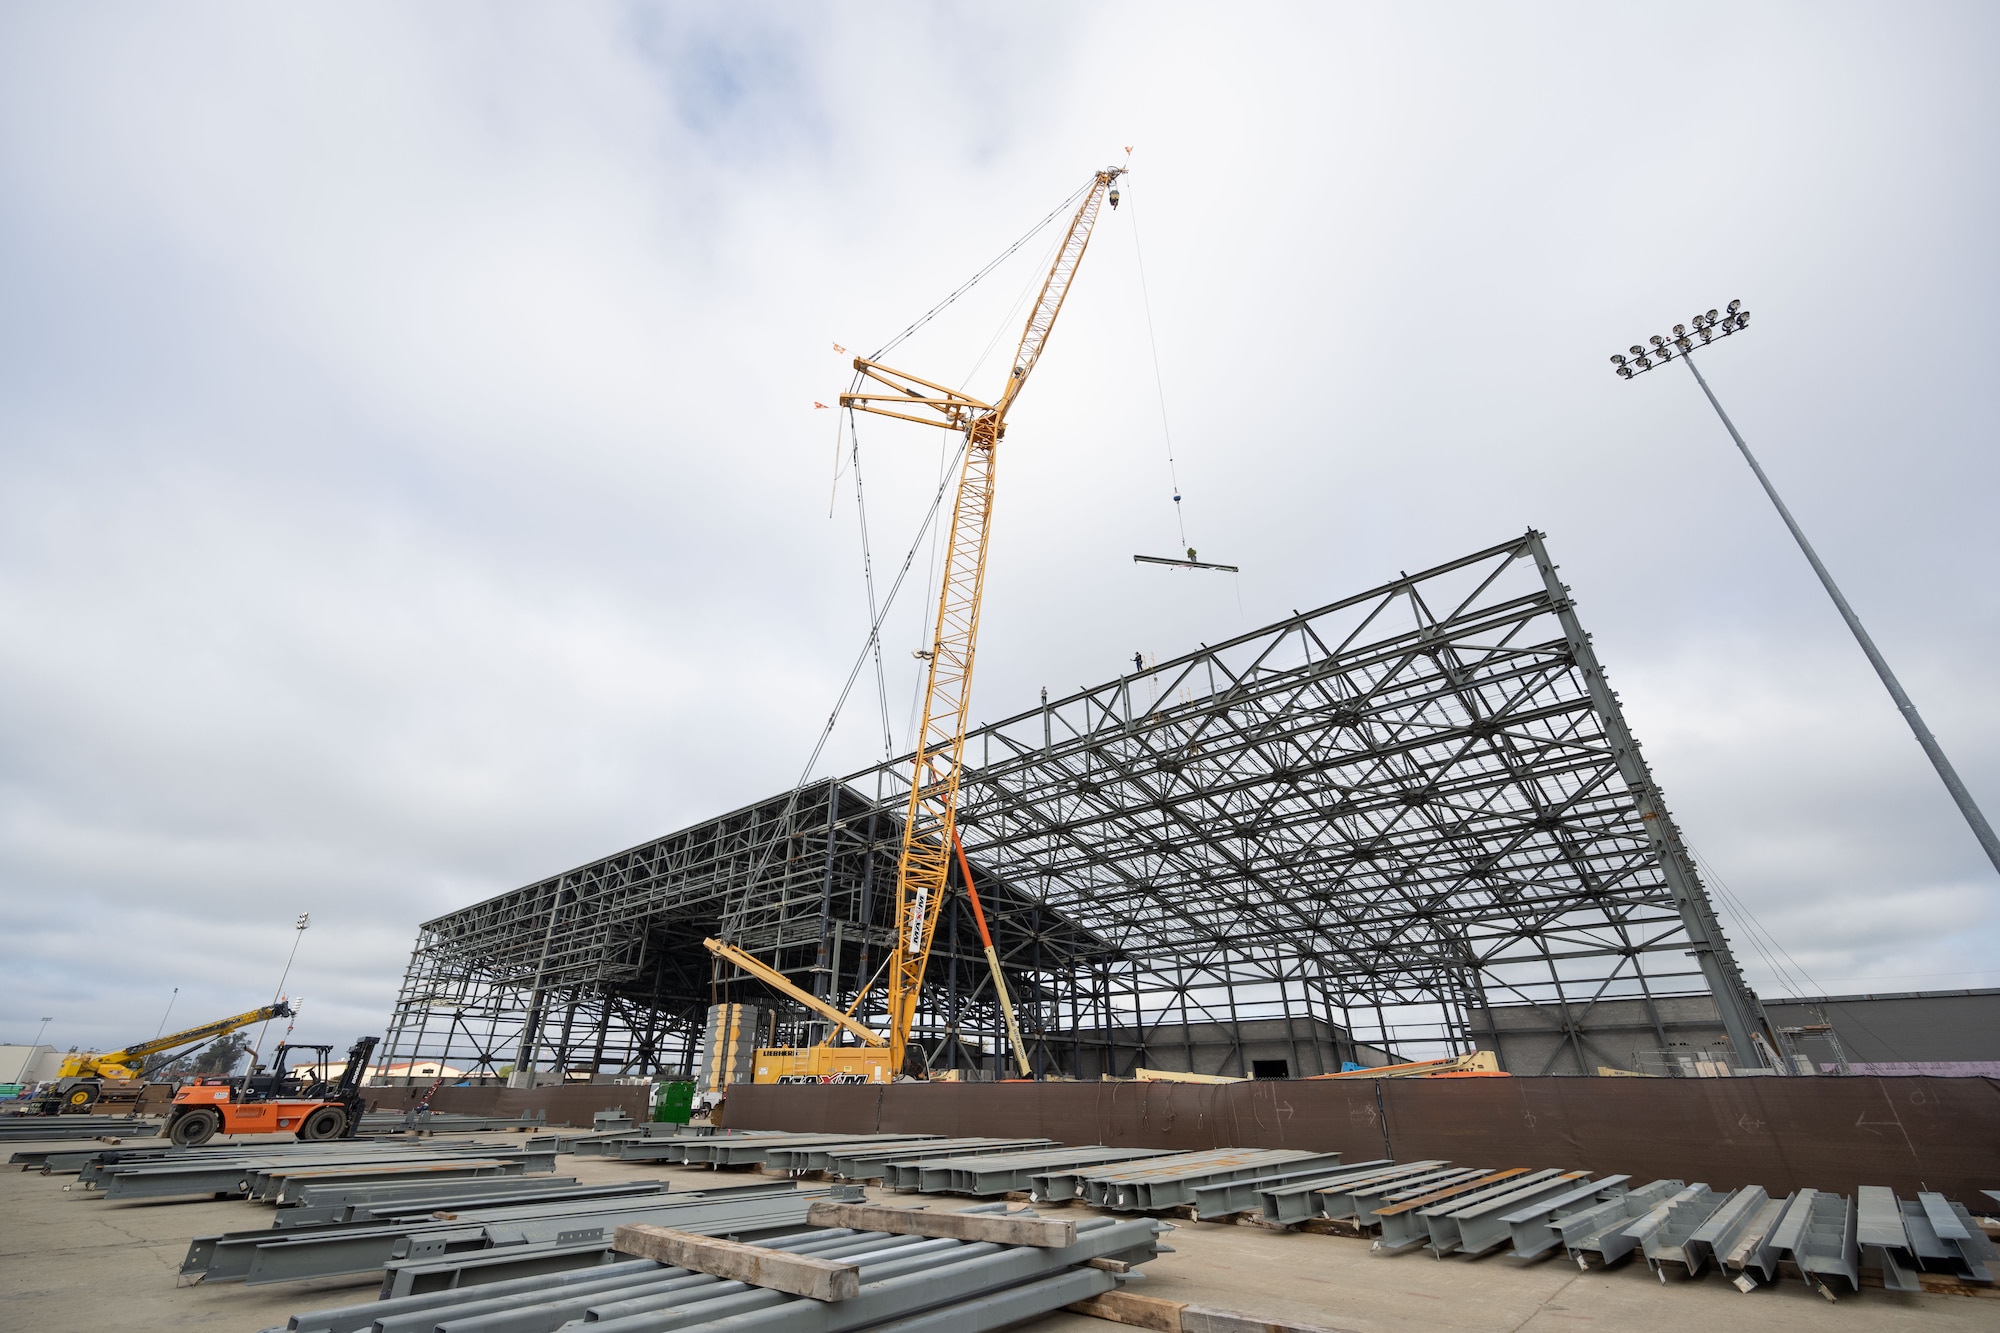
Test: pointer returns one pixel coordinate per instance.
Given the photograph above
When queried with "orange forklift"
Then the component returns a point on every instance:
(294, 1096)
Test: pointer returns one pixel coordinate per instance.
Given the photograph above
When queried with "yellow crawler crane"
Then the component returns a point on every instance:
(930, 821)
(931, 818)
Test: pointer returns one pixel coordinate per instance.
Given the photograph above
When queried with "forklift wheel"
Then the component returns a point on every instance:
(195, 1128)
(325, 1123)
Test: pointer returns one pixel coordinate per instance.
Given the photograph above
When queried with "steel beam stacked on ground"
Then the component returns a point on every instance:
(1817, 1233)
(1532, 1228)
(264, 1178)
(607, 1142)
(818, 1156)
(1739, 1235)
(376, 1123)
(583, 1227)
(746, 1150)
(90, 1164)
(1302, 1200)
(1668, 1234)
(61, 1128)
(872, 1163)
(1478, 1223)
(1364, 1202)
(1601, 1231)
(1170, 1180)
(907, 1282)
(1221, 1198)
(335, 1201)
(446, 1201)
(1169, 1184)
(997, 1173)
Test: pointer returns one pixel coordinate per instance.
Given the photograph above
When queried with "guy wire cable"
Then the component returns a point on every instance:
(874, 631)
(875, 625)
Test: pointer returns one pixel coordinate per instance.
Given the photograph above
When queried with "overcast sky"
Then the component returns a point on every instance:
(412, 486)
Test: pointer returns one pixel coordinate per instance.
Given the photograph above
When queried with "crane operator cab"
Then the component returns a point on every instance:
(292, 1097)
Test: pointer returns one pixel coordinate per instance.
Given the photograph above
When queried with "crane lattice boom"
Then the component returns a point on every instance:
(930, 820)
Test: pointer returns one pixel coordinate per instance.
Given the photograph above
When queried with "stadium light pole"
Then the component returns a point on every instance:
(1702, 330)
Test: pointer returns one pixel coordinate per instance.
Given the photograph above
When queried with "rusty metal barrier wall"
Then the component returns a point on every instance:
(571, 1104)
(1837, 1134)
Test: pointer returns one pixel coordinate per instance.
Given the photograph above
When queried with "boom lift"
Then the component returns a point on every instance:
(87, 1076)
(930, 820)
(298, 1098)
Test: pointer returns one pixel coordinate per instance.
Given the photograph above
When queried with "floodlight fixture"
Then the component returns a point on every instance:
(1698, 332)
(1707, 328)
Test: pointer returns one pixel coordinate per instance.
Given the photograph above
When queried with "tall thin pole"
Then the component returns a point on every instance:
(170, 1009)
(1966, 805)
(298, 933)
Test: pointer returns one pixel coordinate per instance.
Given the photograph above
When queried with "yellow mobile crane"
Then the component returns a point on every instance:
(930, 822)
(86, 1076)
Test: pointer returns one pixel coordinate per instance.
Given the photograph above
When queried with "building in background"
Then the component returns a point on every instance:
(29, 1064)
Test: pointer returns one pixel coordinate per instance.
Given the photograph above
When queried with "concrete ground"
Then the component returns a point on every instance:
(71, 1261)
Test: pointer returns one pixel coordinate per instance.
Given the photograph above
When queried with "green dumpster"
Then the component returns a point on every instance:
(673, 1103)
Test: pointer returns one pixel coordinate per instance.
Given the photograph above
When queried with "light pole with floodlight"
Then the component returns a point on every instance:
(1703, 330)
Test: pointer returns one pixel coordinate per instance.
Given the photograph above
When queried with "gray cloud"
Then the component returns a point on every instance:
(411, 485)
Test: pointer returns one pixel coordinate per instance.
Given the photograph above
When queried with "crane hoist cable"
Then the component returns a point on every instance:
(1166, 428)
(1159, 380)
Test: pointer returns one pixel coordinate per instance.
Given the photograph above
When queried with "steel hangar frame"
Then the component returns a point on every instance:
(1376, 825)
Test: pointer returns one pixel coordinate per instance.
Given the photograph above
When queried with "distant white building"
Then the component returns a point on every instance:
(29, 1064)
(410, 1070)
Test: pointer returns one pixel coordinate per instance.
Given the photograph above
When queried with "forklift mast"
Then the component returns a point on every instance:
(347, 1090)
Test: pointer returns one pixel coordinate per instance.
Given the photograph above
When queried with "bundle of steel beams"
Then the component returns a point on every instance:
(581, 1229)
(277, 1178)
(1292, 1202)
(749, 1150)
(92, 1163)
(1166, 1180)
(609, 1142)
(1677, 1228)
(59, 1129)
(997, 1173)
(669, 1149)
(912, 1283)
(871, 1163)
(376, 1202)
(1224, 1197)
(803, 1156)
(447, 1122)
